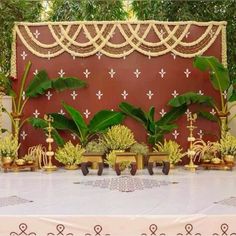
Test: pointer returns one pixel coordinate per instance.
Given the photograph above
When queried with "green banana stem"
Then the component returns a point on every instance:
(26, 72)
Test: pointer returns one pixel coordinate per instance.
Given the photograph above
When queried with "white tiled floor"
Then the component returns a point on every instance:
(56, 193)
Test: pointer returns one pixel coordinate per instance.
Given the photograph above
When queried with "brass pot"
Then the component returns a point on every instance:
(71, 167)
(7, 160)
(20, 162)
(216, 161)
(229, 158)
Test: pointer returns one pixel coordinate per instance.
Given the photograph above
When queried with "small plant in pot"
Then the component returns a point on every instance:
(95, 150)
(96, 146)
(70, 155)
(141, 150)
(8, 149)
(205, 151)
(227, 147)
(172, 148)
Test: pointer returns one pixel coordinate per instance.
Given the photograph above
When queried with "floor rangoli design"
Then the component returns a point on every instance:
(12, 200)
(228, 202)
(126, 183)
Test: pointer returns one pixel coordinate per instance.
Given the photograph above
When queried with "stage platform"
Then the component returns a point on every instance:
(68, 203)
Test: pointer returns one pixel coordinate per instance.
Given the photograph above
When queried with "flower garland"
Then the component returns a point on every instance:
(98, 38)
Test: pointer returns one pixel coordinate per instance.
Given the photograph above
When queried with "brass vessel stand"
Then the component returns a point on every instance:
(49, 153)
(191, 119)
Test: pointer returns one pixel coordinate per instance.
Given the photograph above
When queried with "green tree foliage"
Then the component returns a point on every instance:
(71, 10)
(11, 11)
(66, 10)
(197, 10)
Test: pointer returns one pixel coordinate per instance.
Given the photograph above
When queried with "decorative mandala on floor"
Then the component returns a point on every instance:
(12, 200)
(126, 183)
(228, 202)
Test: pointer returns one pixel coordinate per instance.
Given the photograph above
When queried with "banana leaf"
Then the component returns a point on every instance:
(42, 124)
(191, 98)
(4, 131)
(104, 119)
(41, 83)
(64, 83)
(38, 85)
(171, 116)
(231, 94)
(79, 122)
(219, 75)
(134, 112)
(61, 122)
(207, 115)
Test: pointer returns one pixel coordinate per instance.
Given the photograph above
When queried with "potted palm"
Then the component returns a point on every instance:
(70, 155)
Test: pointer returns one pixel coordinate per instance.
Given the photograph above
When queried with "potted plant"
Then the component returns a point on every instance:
(205, 151)
(227, 147)
(70, 155)
(94, 152)
(8, 149)
(172, 148)
(141, 150)
(119, 138)
(96, 146)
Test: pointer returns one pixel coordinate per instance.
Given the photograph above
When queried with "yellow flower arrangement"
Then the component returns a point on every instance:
(70, 154)
(9, 146)
(171, 147)
(118, 137)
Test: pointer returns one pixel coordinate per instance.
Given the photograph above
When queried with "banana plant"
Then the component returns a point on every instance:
(220, 80)
(219, 77)
(39, 85)
(76, 124)
(156, 129)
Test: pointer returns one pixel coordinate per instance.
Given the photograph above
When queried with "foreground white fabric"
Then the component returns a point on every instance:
(67, 203)
(118, 225)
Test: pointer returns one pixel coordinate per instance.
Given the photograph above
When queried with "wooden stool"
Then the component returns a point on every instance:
(126, 156)
(92, 158)
(159, 157)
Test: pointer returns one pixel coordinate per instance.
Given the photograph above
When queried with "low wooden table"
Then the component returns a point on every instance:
(92, 158)
(159, 157)
(221, 166)
(126, 156)
(14, 167)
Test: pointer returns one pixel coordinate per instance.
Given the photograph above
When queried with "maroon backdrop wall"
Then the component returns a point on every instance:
(157, 80)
